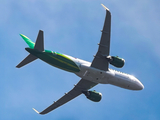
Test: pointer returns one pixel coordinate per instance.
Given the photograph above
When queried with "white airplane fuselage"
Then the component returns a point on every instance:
(113, 77)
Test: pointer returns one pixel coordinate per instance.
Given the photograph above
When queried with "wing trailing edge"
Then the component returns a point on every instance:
(100, 61)
(82, 85)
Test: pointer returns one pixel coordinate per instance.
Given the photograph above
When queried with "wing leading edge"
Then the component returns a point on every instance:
(100, 61)
(82, 85)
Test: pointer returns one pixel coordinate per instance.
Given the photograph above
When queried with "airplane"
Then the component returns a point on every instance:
(91, 73)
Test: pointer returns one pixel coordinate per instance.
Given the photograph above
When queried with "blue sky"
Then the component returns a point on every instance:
(73, 27)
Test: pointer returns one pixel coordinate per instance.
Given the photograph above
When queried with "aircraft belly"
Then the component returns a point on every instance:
(94, 75)
(103, 77)
(121, 82)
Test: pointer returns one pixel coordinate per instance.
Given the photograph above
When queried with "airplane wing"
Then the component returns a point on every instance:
(82, 85)
(100, 61)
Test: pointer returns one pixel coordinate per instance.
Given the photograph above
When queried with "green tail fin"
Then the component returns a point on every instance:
(39, 45)
(28, 41)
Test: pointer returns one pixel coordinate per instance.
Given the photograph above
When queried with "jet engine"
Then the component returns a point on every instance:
(93, 95)
(116, 61)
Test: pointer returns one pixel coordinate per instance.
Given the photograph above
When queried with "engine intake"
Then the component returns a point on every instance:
(116, 61)
(93, 95)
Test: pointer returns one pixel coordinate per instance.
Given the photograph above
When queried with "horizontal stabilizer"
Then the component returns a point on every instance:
(27, 60)
(39, 45)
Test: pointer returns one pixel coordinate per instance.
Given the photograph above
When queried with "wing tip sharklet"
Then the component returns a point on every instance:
(105, 7)
(36, 110)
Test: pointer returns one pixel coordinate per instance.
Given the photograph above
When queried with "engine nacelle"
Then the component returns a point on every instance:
(116, 61)
(93, 95)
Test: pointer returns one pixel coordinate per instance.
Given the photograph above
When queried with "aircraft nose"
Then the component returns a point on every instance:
(140, 86)
(137, 84)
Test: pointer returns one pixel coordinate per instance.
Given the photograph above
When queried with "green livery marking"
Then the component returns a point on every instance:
(59, 60)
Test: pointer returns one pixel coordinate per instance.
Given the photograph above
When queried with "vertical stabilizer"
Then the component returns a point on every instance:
(28, 41)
